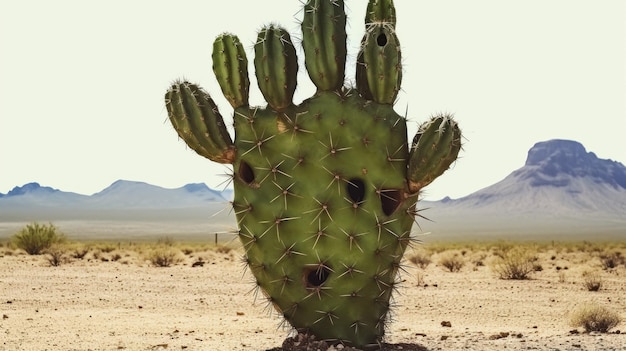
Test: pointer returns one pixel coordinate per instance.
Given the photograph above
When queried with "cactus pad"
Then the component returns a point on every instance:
(325, 191)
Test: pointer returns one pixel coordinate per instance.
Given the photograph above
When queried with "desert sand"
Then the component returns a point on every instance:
(118, 300)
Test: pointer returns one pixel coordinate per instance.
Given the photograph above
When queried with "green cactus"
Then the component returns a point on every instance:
(325, 191)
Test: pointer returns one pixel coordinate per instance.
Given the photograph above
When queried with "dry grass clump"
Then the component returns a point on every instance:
(421, 259)
(56, 255)
(592, 281)
(612, 260)
(165, 256)
(515, 263)
(79, 252)
(594, 318)
(453, 261)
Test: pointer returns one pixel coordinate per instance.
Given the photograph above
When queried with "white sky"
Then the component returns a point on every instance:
(82, 82)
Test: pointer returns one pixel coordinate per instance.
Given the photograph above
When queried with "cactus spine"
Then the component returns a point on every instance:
(325, 191)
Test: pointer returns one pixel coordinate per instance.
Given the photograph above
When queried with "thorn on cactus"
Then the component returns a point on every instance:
(321, 232)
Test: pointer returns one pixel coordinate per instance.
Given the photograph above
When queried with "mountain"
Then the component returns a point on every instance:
(127, 200)
(561, 187)
(125, 194)
(122, 194)
(562, 191)
(123, 210)
(33, 194)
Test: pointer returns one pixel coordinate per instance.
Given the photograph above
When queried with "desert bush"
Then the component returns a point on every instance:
(187, 251)
(34, 238)
(164, 256)
(611, 260)
(478, 259)
(116, 257)
(592, 281)
(452, 261)
(107, 248)
(516, 263)
(80, 252)
(223, 249)
(421, 259)
(56, 255)
(593, 317)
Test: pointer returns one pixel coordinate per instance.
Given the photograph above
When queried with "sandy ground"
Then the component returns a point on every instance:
(88, 304)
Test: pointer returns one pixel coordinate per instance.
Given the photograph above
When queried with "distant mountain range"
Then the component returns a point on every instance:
(562, 189)
(122, 194)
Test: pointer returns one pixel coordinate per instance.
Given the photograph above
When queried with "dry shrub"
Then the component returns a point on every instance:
(592, 281)
(165, 256)
(515, 263)
(421, 259)
(594, 317)
(56, 255)
(452, 261)
(34, 238)
(106, 248)
(478, 259)
(223, 249)
(80, 252)
(612, 260)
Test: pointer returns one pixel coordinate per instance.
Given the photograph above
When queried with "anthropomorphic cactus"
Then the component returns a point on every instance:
(325, 191)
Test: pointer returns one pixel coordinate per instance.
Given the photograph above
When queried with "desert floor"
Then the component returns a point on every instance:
(115, 299)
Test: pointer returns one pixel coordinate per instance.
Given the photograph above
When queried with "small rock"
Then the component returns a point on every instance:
(444, 337)
(446, 324)
(501, 335)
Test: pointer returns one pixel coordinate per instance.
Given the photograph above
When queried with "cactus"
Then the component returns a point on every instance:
(325, 191)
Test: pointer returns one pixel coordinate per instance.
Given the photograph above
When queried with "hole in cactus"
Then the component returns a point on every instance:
(381, 39)
(315, 276)
(246, 173)
(390, 200)
(356, 190)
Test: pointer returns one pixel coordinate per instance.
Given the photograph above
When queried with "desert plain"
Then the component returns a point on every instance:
(118, 296)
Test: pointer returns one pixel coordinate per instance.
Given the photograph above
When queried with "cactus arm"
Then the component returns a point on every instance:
(379, 66)
(197, 121)
(380, 11)
(435, 147)
(324, 42)
(230, 66)
(276, 67)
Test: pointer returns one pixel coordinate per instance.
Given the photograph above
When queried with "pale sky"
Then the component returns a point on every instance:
(82, 82)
